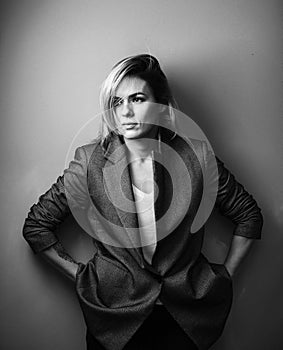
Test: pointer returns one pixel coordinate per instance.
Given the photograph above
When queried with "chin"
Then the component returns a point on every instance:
(132, 135)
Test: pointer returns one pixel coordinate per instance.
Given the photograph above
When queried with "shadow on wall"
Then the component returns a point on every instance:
(257, 288)
(257, 304)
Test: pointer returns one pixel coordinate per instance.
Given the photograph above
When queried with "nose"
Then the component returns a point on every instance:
(127, 110)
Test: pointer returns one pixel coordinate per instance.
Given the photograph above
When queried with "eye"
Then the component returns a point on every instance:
(117, 101)
(138, 99)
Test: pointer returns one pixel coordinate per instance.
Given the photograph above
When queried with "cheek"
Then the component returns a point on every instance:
(148, 113)
(152, 114)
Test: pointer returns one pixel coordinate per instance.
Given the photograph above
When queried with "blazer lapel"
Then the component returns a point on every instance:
(118, 184)
(173, 179)
(174, 172)
(111, 192)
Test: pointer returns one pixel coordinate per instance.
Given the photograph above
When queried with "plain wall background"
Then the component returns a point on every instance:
(223, 60)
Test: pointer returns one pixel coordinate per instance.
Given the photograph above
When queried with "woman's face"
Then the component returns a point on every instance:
(134, 109)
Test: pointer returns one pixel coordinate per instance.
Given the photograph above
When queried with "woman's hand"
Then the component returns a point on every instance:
(238, 250)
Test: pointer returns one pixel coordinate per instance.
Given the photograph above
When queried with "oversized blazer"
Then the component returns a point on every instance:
(117, 288)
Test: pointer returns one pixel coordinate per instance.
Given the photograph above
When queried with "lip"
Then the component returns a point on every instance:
(130, 126)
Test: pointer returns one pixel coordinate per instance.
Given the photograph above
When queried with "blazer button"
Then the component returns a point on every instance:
(155, 274)
(159, 278)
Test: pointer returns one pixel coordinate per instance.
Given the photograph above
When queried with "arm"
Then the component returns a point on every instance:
(57, 256)
(50, 211)
(234, 202)
(240, 207)
(239, 248)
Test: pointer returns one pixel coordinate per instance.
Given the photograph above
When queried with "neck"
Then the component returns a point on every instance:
(142, 148)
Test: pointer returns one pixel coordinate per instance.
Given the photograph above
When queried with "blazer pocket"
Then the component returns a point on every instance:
(227, 272)
(222, 270)
(211, 281)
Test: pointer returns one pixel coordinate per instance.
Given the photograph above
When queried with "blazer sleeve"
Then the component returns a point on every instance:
(232, 199)
(53, 206)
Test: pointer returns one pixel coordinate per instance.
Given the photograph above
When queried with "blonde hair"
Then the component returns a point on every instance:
(145, 67)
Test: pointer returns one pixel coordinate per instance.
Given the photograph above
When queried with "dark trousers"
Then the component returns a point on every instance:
(159, 332)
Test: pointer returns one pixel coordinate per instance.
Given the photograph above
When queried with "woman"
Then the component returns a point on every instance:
(148, 286)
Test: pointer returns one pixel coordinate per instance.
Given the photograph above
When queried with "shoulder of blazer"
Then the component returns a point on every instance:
(199, 147)
(85, 153)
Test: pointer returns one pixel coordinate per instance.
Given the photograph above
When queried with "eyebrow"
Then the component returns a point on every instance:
(133, 95)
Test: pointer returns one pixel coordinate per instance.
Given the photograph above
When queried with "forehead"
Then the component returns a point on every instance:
(132, 85)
